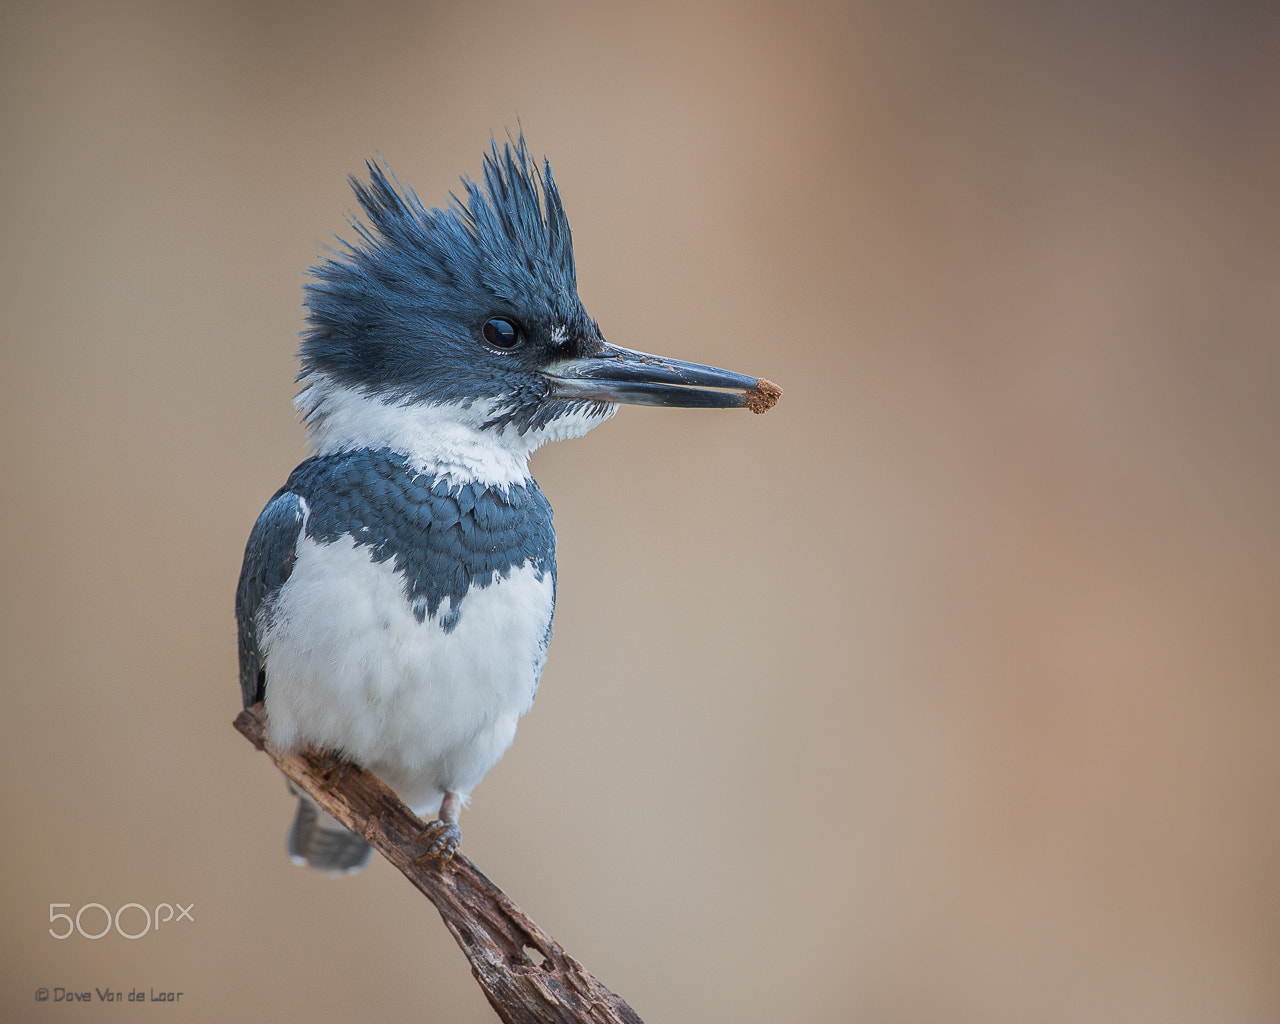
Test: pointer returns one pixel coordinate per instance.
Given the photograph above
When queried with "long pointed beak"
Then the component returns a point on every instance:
(636, 378)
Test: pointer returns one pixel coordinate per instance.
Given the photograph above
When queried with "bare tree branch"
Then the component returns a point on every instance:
(526, 975)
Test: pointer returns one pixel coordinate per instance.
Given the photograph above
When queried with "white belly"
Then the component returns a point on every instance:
(349, 668)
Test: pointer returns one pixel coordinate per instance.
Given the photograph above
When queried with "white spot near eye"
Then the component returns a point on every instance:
(559, 334)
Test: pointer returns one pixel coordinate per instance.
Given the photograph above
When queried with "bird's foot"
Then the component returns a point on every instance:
(333, 769)
(442, 838)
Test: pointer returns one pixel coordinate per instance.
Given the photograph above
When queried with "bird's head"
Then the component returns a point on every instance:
(462, 326)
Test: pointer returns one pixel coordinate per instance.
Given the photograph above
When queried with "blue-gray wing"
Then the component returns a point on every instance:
(268, 560)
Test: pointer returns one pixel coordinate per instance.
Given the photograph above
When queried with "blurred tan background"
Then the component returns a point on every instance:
(946, 691)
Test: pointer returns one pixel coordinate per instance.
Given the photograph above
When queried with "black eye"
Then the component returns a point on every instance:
(501, 333)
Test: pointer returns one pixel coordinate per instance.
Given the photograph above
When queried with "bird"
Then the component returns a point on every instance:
(395, 603)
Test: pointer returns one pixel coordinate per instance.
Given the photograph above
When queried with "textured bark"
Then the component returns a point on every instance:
(524, 972)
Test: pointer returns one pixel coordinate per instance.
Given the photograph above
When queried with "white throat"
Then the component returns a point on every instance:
(444, 439)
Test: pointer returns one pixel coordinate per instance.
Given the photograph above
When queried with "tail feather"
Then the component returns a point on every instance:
(318, 841)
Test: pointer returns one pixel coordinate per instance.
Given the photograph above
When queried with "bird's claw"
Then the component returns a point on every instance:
(442, 839)
(333, 769)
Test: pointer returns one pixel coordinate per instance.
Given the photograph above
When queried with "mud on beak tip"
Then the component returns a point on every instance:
(763, 397)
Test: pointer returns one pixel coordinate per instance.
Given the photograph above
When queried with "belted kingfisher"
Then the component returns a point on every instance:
(395, 603)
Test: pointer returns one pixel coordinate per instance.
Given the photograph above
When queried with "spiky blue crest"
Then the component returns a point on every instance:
(399, 310)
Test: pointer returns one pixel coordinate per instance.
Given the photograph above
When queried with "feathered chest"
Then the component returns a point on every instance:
(442, 538)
